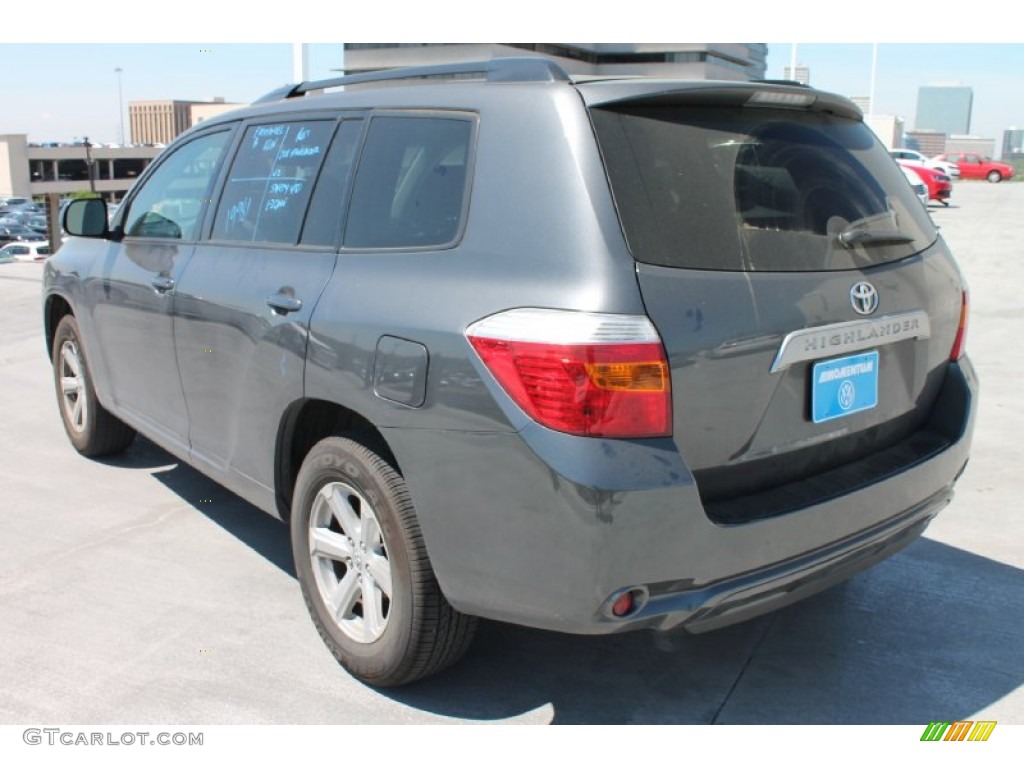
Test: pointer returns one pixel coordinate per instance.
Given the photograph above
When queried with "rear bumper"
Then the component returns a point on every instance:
(734, 600)
(541, 529)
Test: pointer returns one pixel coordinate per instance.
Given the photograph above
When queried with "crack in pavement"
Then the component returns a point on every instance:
(743, 670)
(10, 583)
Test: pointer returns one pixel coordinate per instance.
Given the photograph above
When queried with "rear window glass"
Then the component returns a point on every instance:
(757, 190)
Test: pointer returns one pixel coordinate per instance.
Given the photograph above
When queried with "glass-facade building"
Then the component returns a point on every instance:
(1013, 144)
(944, 108)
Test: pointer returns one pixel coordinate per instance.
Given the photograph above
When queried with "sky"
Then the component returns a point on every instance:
(57, 88)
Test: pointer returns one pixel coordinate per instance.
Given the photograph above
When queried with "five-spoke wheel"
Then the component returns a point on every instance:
(92, 429)
(71, 370)
(350, 562)
(364, 571)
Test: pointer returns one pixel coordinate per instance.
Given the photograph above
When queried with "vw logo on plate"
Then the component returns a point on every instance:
(847, 394)
(864, 298)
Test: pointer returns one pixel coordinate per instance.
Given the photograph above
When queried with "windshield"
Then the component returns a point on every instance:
(747, 189)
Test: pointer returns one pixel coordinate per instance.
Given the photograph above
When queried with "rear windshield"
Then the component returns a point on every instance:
(756, 190)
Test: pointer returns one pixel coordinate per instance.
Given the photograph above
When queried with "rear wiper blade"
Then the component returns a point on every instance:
(880, 228)
(851, 237)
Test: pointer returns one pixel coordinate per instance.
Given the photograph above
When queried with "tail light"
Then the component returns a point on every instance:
(583, 373)
(960, 343)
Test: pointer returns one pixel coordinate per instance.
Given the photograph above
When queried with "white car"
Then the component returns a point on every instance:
(31, 251)
(920, 188)
(913, 157)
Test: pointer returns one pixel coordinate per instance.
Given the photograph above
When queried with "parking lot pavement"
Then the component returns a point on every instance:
(137, 591)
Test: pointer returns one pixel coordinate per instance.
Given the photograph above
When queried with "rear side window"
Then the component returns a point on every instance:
(270, 182)
(756, 190)
(410, 186)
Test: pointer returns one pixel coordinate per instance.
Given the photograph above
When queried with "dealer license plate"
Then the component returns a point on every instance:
(844, 386)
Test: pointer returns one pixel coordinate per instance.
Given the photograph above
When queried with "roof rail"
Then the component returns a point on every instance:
(519, 69)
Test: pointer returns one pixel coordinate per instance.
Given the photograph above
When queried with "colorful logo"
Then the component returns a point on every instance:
(961, 730)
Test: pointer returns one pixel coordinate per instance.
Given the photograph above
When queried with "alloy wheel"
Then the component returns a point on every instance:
(350, 562)
(72, 386)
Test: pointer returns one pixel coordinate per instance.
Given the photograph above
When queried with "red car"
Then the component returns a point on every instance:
(940, 186)
(974, 166)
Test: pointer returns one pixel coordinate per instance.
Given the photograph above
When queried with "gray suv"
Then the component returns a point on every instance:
(586, 356)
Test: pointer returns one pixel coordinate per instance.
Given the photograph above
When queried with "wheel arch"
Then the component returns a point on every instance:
(55, 307)
(305, 423)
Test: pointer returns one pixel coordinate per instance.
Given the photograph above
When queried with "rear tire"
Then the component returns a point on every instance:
(92, 429)
(364, 571)
(995, 177)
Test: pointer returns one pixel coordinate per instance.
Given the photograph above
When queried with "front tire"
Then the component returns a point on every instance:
(364, 571)
(995, 177)
(90, 427)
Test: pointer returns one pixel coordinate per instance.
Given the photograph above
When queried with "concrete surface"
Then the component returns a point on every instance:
(137, 591)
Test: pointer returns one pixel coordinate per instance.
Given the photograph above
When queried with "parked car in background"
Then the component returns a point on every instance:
(913, 157)
(14, 202)
(939, 185)
(975, 166)
(10, 233)
(38, 222)
(34, 251)
(20, 218)
(20, 205)
(916, 183)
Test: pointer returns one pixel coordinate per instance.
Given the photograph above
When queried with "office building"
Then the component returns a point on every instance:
(977, 144)
(801, 74)
(1013, 144)
(928, 143)
(863, 103)
(204, 111)
(945, 108)
(160, 121)
(888, 128)
(701, 61)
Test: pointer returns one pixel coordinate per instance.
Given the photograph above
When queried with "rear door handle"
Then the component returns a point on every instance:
(162, 283)
(282, 303)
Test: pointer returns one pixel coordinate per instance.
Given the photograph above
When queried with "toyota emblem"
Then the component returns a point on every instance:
(864, 298)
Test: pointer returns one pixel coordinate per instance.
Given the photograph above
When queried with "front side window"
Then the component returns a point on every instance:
(270, 182)
(411, 184)
(171, 201)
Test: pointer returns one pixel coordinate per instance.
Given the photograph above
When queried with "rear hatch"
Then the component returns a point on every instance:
(806, 304)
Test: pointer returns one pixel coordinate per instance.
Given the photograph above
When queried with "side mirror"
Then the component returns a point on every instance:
(86, 218)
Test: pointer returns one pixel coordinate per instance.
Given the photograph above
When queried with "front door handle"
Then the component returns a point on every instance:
(282, 303)
(162, 283)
